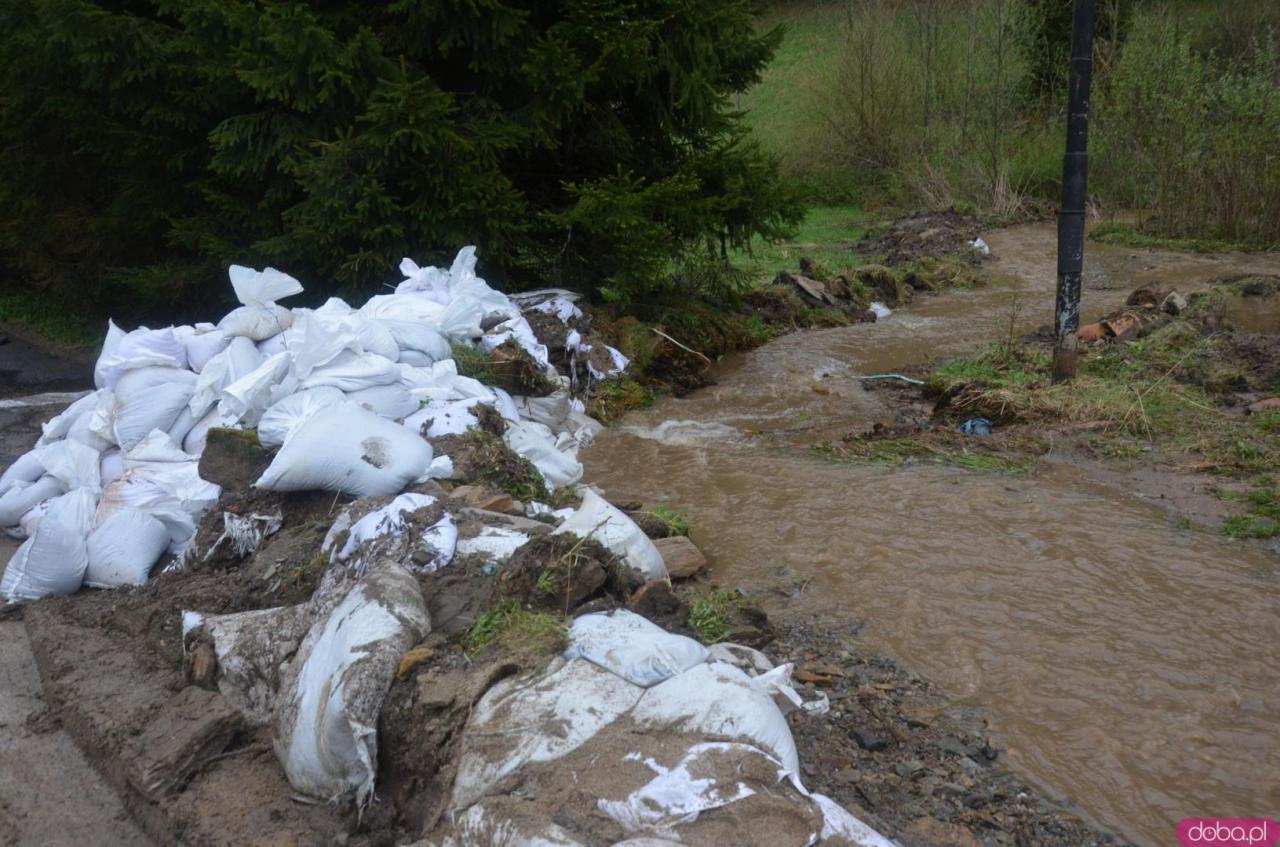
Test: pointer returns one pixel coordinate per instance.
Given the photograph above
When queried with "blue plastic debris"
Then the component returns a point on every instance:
(977, 426)
(489, 568)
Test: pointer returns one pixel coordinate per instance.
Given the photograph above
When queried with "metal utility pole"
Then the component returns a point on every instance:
(1075, 175)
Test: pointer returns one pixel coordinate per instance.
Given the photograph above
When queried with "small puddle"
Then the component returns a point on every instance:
(1125, 664)
(1253, 314)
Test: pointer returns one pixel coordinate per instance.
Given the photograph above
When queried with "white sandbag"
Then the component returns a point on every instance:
(96, 428)
(149, 398)
(23, 496)
(536, 718)
(388, 401)
(193, 442)
(371, 336)
(715, 699)
(259, 317)
(351, 450)
(57, 427)
(202, 343)
(312, 345)
(631, 647)
(432, 282)
(441, 418)
(420, 338)
(28, 522)
(536, 443)
(177, 432)
(352, 371)
(124, 548)
(102, 367)
(240, 359)
(73, 464)
(505, 405)
(442, 382)
(53, 560)
(141, 348)
(403, 308)
(277, 343)
(164, 482)
(600, 520)
(111, 466)
(286, 415)
(252, 394)
(26, 469)
(559, 412)
(327, 716)
(496, 543)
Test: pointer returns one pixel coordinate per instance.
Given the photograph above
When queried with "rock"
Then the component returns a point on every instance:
(1174, 304)
(484, 498)
(869, 740)
(931, 832)
(918, 714)
(1263, 405)
(910, 769)
(657, 601)
(233, 458)
(682, 557)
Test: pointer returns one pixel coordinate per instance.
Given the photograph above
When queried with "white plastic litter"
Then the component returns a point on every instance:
(562, 307)
(496, 542)
(535, 442)
(327, 716)
(259, 317)
(243, 533)
(537, 719)
(286, 415)
(880, 310)
(716, 699)
(53, 560)
(631, 647)
(981, 246)
(124, 548)
(598, 519)
(351, 450)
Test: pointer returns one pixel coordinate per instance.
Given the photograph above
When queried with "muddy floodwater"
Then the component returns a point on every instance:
(1129, 667)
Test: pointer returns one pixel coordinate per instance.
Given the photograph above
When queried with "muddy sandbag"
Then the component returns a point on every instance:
(124, 548)
(719, 700)
(326, 721)
(53, 560)
(632, 647)
(286, 415)
(387, 531)
(536, 718)
(351, 450)
(597, 519)
(554, 460)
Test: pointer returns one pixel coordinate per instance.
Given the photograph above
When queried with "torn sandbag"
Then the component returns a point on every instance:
(536, 718)
(632, 647)
(535, 442)
(124, 548)
(839, 826)
(284, 416)
(250, 648)
(384, 532)
(493, 542)
(597, 519)
(351, 450)
(243, 533)
(715, 699)
(259, 316)
(53, 560)
(326, 721)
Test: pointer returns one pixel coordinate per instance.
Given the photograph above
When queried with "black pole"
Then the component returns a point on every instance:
(1075, 177)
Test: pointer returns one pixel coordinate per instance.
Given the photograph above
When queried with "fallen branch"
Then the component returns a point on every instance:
(681, 346)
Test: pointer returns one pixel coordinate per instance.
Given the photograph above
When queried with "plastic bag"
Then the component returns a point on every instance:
(286, 415)
(327, 715)
(53, 560)
(351, 450)
(631, 647)
(536, 443)
(600, 520)
(124, 548)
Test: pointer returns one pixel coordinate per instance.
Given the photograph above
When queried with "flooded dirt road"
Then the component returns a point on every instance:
(1128, 666)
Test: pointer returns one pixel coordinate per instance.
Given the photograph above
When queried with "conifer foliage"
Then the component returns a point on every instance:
(144, 144)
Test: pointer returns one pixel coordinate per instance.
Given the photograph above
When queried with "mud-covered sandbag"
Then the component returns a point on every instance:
(149, 398)
(326, 722)
(384, 531)
(53, 560)
(286, 415)
(388, 401)
(719, 700)
(202, 342)
(564, 414)
(631, 647)
(536, 718)
(259, 317)
(239, 359)
(841, 827)
(351, 450)
(536, 443)
(123, 549)
(444, 417)
(600, 520)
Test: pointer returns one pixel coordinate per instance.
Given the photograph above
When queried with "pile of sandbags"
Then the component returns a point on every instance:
(350, 396)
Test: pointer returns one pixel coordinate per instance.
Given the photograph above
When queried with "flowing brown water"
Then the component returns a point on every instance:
(1129, 667)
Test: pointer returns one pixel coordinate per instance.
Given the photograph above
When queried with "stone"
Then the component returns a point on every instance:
(872, 742)
(484, 498)
(682, 557)
(656, 601)
(931, 832)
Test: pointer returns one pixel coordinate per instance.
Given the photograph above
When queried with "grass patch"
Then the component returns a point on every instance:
(51, 320)
(1131, 236)
(612, 399)
(486, 458)
(824, 236)
(677, 522)
(710, 614)
(513, 627)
